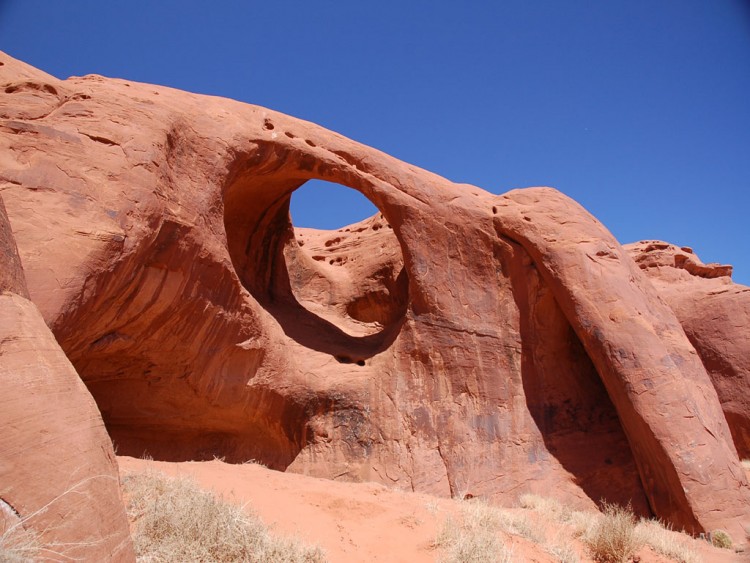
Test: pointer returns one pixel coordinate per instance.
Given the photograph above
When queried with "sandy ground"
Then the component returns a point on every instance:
(351, 521)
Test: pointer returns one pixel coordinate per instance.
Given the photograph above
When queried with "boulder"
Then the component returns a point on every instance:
(58, 475)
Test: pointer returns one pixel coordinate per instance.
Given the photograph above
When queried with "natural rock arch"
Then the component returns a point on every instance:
(174, 328)
(264, 247)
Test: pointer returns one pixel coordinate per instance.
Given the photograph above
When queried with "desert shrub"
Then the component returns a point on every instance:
(612, 536)
(174, 520)
(548, 508)
(613, 539)
(721, 539)
(562, 550)
(608, 535)
(663, 540)
(474, 536)
(18, 545)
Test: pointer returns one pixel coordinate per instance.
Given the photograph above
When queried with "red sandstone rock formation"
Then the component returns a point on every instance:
(457, 343)
(715, 314)
(665, 401)
(11, 273)
(58, 475)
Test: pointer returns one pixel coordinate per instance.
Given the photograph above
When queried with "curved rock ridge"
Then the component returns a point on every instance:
(715, 314)
(652, 373)
(471, 344)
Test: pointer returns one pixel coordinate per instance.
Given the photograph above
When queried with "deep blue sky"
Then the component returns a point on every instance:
(638, 109)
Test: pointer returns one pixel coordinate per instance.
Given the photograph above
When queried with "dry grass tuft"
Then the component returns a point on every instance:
(603, 531)
(18, 545)
(474, 537)
(174, 520)
(584, 522)
(613, 538)
(561, 546)
(519, 524)
(547, 508)
(719, 538)
(667, 542)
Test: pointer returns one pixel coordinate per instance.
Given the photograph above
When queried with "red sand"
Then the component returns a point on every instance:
(350, 521)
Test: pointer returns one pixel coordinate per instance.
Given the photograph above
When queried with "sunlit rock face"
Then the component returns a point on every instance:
(58, 475)
(715, 314)
(456, 343)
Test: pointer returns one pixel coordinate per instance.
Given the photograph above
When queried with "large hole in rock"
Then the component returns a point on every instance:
(352, 276)
(342, 291)
(326, 206)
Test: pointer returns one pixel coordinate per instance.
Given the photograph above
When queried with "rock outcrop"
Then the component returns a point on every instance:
(58, 475)
(458, 342)
(665, 401)
(715, 314)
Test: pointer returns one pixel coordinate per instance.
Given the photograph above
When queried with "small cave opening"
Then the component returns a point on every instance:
(337, 288)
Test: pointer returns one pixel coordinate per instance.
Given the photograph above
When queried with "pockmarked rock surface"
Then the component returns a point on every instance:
(58, 475)
(456, 343)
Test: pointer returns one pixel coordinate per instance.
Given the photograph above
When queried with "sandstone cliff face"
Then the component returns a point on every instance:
(715, 314)
(458, 342)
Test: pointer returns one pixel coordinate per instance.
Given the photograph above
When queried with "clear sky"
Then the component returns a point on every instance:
(638, 109)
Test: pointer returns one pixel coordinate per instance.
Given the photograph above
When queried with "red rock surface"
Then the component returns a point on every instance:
(456, 344)
(664, 398)
(715, 314)
(58, 474)
(11, 273)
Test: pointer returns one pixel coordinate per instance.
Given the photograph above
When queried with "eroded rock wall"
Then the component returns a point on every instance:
(664, 398)
(715, 314)
(458, 348)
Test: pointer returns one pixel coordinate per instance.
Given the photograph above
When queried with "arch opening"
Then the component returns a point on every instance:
(322, 205)
(341, 291)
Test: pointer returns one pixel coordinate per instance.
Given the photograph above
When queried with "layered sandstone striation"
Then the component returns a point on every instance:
(458, 342)
(11, 273)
